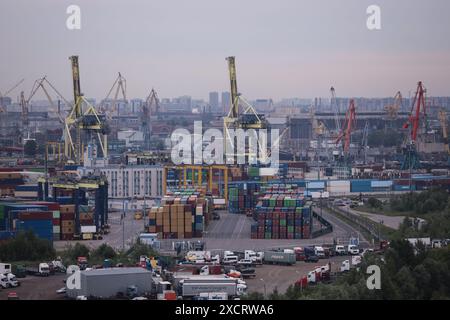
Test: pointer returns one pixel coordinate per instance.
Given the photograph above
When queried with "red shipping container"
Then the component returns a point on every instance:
(35, 215)
(188, 235)
(89, 222)
(67, 216)
(56, 222)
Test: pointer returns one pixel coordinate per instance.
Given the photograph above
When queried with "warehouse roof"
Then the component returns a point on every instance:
(115, 271)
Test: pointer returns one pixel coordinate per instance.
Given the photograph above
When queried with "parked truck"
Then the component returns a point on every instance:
(8, 281)
(192, 287)
(82, 263)
(278, 257)
(41, 270)
(5, 268)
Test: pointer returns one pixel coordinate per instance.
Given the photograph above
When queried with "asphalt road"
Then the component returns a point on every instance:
(232, 232)
(341, 230)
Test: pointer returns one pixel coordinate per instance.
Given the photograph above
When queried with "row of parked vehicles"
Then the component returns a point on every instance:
(8, 279)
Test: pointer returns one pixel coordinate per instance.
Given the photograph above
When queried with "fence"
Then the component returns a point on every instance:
(363, 223)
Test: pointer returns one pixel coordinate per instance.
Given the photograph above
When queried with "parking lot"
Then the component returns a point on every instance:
(281, 277)
(37, 288)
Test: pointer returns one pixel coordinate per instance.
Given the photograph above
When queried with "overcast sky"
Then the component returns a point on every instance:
(283, 48)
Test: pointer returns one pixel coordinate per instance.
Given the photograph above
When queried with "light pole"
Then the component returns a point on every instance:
(265, 292)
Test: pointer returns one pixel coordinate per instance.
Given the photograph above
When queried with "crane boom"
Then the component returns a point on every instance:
(415, 115)
(349, 124)
(333, 103)
(233, 86)
(76, 84)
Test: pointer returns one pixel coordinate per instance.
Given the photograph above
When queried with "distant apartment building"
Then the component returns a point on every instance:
(214, 100)
(226, 101)
(136, 105)
(180, 104)
(263, 105)
(131, 181)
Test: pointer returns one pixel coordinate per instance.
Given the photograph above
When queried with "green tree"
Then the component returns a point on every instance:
(375, 203)
(26, 246)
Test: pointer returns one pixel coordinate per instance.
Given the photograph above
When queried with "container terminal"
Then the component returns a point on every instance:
(102, 173)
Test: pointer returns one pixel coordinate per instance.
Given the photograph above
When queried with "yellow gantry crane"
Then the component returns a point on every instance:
(79, 121)
(392, 110)
(242, 115)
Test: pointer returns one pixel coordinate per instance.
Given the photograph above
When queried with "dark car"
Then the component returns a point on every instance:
(312, 258)
(216, 217)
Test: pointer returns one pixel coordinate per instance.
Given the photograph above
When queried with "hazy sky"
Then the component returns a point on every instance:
(283, 48)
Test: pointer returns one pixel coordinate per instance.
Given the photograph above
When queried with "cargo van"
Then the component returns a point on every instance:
(319, 252)
(352, 249)
(230, 259)
(340, 250)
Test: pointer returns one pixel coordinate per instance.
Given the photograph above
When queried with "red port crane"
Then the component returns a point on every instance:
(414, 117)
(346, 130)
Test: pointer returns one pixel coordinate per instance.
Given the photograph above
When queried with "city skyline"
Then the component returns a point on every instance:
(287, 49)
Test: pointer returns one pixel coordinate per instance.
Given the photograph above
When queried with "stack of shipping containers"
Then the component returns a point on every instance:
(282, 214)
(181, 215)
(242, 196)
(67, 221)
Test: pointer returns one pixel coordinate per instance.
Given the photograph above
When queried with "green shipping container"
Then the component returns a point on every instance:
(268, 235)
(283, 222)
(290, 229)
(56, 214)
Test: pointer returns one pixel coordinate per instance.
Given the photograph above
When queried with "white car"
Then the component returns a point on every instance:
(352, 249)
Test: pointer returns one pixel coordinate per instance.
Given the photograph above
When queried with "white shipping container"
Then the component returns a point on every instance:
(340, 189)
(56, 229)
(339, 183)
(88, 229)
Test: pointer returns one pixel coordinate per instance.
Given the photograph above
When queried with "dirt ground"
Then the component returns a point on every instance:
(282, 277)
(37, 288)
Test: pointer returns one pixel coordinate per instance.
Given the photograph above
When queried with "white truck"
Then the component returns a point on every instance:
(345, 266)
(340, 250)
(8, 281)
(42, 270)
(192, 287)
(352, 249)
(319, 252)
(256, 257)
(5, 268)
